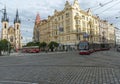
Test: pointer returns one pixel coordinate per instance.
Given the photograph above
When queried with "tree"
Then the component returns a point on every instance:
(43, 45)
(0, 47)
(52, 45)
(4, 45)
(37, 43)
(31, 44)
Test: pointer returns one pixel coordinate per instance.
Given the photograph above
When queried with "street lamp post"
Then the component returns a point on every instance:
(8, 48)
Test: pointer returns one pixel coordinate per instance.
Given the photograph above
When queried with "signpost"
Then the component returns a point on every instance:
(85, 35)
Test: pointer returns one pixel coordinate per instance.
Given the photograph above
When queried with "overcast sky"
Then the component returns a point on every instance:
(106, 9)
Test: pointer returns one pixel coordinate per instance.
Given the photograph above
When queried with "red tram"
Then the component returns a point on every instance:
(31, 49)
(87, 48)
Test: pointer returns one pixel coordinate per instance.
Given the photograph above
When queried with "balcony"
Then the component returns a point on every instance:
(77, 25)
(76, 32)
(77, 17)
(48, 32)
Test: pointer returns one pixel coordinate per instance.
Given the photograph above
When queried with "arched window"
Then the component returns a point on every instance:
(77, 14)
(11, 39)
(5, 26)
(17, 26)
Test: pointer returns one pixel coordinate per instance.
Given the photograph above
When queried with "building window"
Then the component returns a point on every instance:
(83, 23)
(68, 29)
(77, 22)
(62, 17)
(59, 18)
(17, 26)
(11, 39)
(78, 37)
(67, 15)
(55, 20)
(5, 32)
(56, 33)
(68, 38)
(77, 14)
(5, 25)
(67, 22)
(83, 17)
(87, 19)
(63, 38)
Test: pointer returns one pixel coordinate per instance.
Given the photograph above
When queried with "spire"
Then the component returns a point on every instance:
(76, 5)
(17, 13)
(76, 2)
(89, 10)
(37, 21)
(5, 18)
(17, 19)
(67, 3)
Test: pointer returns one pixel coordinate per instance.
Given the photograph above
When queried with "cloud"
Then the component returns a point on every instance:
(29, 8)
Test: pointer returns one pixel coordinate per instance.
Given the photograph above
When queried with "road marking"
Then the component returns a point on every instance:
(17, 82)
(30, 54)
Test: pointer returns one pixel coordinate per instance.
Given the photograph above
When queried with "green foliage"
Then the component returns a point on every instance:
(4, 45)
(37, 43)
(31, 44)
(43, 45)
(53, 44)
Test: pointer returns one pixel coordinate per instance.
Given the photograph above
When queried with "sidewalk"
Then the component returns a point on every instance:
(15, 53)
(40, 53)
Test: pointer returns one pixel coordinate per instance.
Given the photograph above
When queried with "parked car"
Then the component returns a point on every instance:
(118, 48)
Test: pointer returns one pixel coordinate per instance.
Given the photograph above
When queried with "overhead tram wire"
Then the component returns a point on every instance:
(109, 8)
(92, 7)
(104, 4)
(100, 5)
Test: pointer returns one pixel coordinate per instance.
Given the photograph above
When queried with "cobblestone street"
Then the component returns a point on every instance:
(61, 68)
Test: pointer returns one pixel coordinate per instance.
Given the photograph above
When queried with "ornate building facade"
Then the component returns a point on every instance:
(70, 26)
(117, 33)
(10, 33)
(107, 32)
